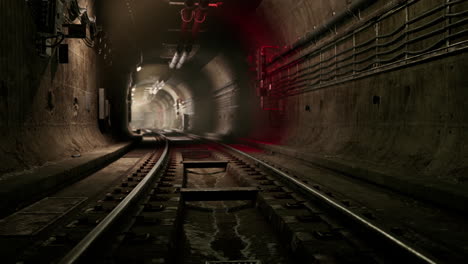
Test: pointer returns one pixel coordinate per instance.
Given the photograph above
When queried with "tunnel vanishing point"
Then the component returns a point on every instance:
(233, 131)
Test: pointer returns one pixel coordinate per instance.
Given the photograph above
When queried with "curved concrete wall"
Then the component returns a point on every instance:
(415, 130)
(48, 110)
(402, 127)
(394, 126)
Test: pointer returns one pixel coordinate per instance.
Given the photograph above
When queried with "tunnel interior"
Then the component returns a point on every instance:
(358, 84)
(373, 89)
(214, 61)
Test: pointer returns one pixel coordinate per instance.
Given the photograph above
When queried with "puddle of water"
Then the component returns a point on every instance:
(221, 235)
(213, 232)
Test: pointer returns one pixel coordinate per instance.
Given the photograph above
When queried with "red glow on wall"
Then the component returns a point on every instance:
(217, 4)
(251, 29)
(255, 34)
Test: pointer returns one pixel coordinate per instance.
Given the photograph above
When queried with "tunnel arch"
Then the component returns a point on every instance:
(321, 69)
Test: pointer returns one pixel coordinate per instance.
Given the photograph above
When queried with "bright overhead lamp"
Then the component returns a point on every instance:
(138, 68)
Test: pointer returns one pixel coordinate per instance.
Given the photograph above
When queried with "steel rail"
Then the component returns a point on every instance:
(84, 245)
(342, 209)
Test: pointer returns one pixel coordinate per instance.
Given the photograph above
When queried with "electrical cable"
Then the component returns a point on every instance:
(56, 43)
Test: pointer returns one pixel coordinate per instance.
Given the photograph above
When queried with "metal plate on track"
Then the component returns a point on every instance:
(219, 194)
(205, 164)
(235, 262)
(34, 218)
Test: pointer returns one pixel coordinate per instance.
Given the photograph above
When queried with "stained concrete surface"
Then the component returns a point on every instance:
(226, 230)
(87, 191)
(432, 222)
(48, 110)
(413, 138)
(416, 129)
(223, 235)
(100, 180)
(17, 189)
(414, 132)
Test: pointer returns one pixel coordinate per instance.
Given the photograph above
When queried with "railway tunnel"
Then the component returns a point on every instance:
(233, 131)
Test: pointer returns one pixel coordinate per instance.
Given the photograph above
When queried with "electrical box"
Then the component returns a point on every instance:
(63, 53)
(75, 30)
(48, 17)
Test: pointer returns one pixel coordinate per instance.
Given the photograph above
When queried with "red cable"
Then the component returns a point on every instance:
(183, 18)
(201, 21)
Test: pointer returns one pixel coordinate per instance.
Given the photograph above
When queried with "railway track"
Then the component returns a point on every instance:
(194, 201)
(45, 230)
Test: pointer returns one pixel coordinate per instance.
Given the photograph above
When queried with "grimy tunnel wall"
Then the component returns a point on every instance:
(379, 95)
(48, 111)
(373, 88)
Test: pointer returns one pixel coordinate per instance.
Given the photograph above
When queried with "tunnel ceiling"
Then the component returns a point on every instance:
(147, 32)
(152, 28)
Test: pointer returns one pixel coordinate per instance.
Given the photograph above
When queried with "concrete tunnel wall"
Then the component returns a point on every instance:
(48, 111)
(402, 126)
(417, 128)
(406, 122)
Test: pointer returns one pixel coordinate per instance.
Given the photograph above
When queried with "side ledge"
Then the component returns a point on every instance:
(439, 193)
(19, 190)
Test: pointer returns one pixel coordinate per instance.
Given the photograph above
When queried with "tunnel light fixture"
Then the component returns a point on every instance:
(139, 68)
(174, 60)
(182, 60)
(158, 85)
(133, 89)
(179, 58)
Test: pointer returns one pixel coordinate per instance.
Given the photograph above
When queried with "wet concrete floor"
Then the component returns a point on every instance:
(225, 230)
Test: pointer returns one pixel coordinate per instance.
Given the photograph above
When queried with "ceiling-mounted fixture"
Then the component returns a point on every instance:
(153, 90)
(187, 15)
(182, 60)
(175, 59)
(192, 11)
(180, 57)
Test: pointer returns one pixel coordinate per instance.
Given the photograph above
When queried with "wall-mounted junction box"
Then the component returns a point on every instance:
(48, 17)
